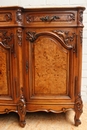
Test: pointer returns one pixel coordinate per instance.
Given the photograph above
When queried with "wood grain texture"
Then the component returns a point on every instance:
(40, 62)
(3, 71)
(50, 67)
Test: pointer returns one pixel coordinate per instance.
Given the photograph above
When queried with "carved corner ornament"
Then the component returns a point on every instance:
(5, 39)
(8, 17)
(19, 36)
(78, 109)
(71, 17)
(65, 36)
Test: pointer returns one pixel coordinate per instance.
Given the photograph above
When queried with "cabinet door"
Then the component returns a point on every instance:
(6, 65)
(50, 76)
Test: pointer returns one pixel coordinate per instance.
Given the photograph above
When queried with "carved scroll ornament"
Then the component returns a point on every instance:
(22, 109)
(65, 36)
(47, 18)
(5, 39)
(78, 109)
(71, 17)
(31, 36)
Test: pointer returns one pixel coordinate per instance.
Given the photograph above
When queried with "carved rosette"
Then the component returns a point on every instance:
(31, 36)
(66, 36)
(8, 17)
(19, 16)
(78, 109)
(29, 18)
(6, 38)
(19, 36)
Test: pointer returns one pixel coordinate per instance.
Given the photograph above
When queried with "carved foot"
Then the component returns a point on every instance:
(22, 111)
(77, 121)
(78, 110)
(22, 123)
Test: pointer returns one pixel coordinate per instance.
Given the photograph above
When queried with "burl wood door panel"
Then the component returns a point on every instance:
(50, 63)
(6, 63)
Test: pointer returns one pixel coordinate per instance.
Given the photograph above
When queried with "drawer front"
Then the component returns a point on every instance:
(59, 18)
(10, 17)
(5, 17)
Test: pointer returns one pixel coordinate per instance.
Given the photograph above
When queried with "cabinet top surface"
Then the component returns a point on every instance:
(44, 8)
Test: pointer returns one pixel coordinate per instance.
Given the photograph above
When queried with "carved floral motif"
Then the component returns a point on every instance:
(31, 36)
(65, 36)
(29, 18)
(71, 17)
(5, 17)
(5, 38)
(8, 17)
(68, 17)
(19, 36)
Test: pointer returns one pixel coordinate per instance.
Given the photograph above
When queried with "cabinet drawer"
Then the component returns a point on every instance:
(57, 18)
(5, 17)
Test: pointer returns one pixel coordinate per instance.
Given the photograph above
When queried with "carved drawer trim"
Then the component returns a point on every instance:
(5, 17)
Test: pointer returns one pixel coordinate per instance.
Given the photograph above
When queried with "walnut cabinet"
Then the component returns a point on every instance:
(41, 60)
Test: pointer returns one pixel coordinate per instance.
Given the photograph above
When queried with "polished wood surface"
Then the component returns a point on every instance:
(41, 60)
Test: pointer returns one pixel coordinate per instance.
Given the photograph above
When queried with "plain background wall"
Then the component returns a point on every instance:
(38, 3)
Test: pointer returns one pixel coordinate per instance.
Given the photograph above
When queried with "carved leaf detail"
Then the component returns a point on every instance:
(19, 36)
(31, 36)
(65, 36)
(6, 38)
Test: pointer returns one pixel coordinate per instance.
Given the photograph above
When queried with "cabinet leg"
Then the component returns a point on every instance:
(78, 110)
(22, 111)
